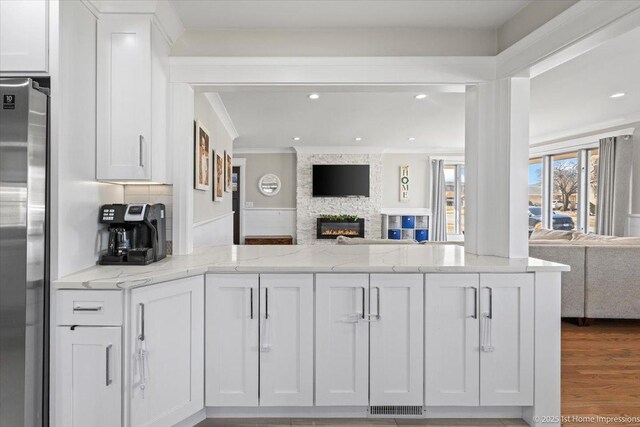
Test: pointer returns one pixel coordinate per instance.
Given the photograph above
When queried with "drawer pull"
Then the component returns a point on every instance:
(91, 309)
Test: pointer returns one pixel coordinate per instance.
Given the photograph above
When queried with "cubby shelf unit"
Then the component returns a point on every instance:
(405, 227)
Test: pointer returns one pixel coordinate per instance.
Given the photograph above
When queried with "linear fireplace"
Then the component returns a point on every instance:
(330, 227)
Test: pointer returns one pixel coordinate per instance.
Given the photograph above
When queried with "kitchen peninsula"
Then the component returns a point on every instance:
(346, 331)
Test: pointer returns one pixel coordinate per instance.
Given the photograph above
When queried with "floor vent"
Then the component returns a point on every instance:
(399, 411)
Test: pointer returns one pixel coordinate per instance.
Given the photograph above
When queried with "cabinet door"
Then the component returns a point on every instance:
(286, 340)
(167, 322)
(396, 307)
(451, 359)
(123, 97)
(232, 340)
(342, 339)
(88, 376)
(506, 359)
(23, 35)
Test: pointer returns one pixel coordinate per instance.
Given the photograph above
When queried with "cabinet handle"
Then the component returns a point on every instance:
(266, 303)
(99, 308)
(490, 315)
(141, 161)
(363, 301)
(378, 303)
(251, 302)
(475, 302)
(141, 336)
(108, 380)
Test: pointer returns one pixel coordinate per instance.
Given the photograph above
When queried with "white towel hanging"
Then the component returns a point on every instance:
(486, 334)
(265, 342)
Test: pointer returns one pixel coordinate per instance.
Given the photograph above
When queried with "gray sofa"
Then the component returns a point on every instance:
(604, 281)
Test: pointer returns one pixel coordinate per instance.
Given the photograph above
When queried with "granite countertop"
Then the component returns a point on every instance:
(300, 259)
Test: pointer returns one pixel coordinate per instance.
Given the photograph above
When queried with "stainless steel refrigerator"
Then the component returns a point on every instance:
(23, 251)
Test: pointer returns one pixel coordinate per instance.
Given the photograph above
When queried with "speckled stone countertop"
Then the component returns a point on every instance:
(301, 259)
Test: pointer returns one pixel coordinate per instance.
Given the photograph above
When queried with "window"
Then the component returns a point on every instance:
(454, 191)
(535, 182)
(592, 190)
(565, 178)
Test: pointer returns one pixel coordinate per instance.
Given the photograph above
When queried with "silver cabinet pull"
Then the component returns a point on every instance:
(141, 142)
(108, 380)
(141, 336)
(251, 302)
(363, 302)
(94, 309)
(490, 315)
(475, 302)
(378, 303)
(266, 303)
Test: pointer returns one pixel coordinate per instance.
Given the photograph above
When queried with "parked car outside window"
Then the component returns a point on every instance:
(560, 221)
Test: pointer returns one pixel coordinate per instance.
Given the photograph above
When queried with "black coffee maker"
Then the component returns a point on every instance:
(137, 233)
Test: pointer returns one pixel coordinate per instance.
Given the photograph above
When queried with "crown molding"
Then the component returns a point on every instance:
(222, 113)
(163, 12)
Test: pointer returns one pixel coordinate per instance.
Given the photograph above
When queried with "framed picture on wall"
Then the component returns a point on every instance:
(201, 165)
(218, 176)
(227, 172)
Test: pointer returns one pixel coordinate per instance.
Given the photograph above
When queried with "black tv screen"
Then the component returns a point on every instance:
(340, 180)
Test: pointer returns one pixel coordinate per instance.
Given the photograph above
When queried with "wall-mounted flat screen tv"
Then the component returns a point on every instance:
(340, 180)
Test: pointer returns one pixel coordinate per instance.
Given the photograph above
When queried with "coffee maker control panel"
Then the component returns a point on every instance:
(112, 214)
(135, 212)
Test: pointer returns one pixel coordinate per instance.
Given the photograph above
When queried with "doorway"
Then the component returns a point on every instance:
(235, 204)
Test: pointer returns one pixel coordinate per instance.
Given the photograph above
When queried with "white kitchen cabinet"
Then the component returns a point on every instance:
(132, 90)
(506, 360)
(88, 376)
(232, 340)
(396, 333)
(451, 322)
(24, 36)
(342, 339)
(286, 340)
(166, 352)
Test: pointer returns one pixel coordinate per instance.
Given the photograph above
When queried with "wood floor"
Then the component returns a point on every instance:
(600, 377)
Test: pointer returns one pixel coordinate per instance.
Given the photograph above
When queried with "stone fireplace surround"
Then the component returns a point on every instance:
(310, 208)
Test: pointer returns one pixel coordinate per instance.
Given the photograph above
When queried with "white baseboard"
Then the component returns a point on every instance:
(193, 419)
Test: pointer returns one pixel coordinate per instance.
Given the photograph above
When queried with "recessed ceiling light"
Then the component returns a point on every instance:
(314, 96)
(618, 95)
(296, 138)
(357, 138)
(421, 96)
(412, 138)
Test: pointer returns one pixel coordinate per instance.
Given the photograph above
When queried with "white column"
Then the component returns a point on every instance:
(181, 114)
(496, 168)
(634, 216)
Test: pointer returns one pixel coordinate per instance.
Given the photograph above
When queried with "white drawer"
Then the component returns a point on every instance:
(89, 308)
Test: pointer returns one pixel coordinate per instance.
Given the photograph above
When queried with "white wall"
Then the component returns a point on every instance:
(281, 164)
(337, 42)
(419, 176)
(634, 217)
(78, 194)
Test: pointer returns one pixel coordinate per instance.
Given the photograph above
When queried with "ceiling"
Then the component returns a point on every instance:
(574, 98)
(246, 14)
(271, 118)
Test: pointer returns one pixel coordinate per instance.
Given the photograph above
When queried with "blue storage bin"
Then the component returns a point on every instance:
(422, 235)
(394, 234)
(408, 221)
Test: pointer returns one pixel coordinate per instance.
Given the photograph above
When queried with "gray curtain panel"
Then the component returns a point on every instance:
(438, 232)
(614, 185)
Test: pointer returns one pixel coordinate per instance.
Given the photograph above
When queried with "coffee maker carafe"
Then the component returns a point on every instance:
(136, 233)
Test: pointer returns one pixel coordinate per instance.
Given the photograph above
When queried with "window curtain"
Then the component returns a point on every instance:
(614, 185)
(438, 203)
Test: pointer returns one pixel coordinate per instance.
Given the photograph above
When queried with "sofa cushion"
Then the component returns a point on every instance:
(343, 240)
(544, 234)
(599, 239)
(573, 287)
(557, 242)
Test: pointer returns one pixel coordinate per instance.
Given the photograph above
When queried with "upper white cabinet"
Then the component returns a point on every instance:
(286, 340)
(24, 35)
(452, 337)
(396, 333)
(88, 376)
(342, 339)
(132, 92)
(167, 352)
(506, 333)
(232, 340)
